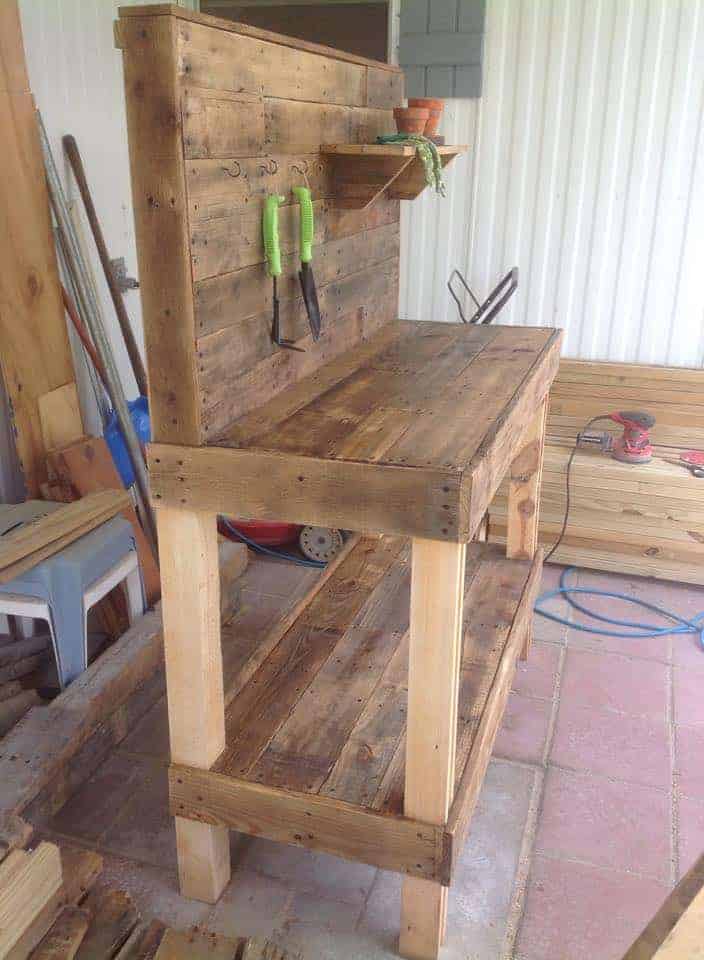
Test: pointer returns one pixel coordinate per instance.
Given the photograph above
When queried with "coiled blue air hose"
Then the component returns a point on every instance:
(639, 630)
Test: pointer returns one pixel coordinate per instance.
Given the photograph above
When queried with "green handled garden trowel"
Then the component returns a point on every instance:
(305, 274)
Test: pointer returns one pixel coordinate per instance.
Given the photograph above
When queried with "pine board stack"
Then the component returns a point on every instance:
(645, 520)
(33, 542)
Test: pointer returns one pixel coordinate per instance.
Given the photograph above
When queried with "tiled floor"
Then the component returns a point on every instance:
(592, 808)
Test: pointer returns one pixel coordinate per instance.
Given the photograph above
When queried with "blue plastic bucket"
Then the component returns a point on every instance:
(139, 412)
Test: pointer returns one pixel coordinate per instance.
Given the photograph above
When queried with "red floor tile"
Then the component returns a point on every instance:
(524, 729)
(605, 823)
(689, 761)
(579, 912)
(537, 676)
(607, 681)
(643, 648)
(613, 745)
(688, 695)
(691, 832)
(687, 652)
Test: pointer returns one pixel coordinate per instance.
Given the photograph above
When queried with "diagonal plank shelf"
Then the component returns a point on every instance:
(316, 720)
(407, 433)
(362, 172)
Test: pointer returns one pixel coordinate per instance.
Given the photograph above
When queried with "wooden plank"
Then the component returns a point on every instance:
(251, 287)
(268, 485)
(524, 491)
(35, 355)
(685, 940)
(303, 751)
(87, 467)
(186, 14)
(13, 70)
(260, 708)
(26, 887)
(393, 843)
(437, 589)
(384, 89)
(114, 916)
(675, 905)
(161, 220)
(60, 416)
(198, 945)
(65, 936)
(217, 123)
(26, 546)
(218, 188)
(232, 352)
(483, 739)
(500, 443)
(215, 58)
(191, 613)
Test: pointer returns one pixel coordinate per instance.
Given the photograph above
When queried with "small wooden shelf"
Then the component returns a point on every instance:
(316, 719)
(362, 172)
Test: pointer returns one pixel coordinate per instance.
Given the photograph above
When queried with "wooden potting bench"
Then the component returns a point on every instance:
(363, 724)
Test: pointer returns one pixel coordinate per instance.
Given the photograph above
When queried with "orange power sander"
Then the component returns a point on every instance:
(633, 446)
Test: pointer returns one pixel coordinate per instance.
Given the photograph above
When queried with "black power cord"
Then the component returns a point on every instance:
(579, 436)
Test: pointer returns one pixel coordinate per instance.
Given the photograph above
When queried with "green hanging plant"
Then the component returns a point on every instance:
(428, 154)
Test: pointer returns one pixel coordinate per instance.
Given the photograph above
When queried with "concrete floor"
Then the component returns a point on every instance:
(592, 808)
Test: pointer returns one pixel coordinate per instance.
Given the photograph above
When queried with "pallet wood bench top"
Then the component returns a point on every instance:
(315, 751)
(407, 433)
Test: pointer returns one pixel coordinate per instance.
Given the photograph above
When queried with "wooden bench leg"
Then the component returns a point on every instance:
(524, 499)
(190, 589)
(437, 592)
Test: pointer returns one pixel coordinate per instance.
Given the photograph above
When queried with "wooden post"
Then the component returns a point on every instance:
(190, 589)
(524, 498)
(437, 591)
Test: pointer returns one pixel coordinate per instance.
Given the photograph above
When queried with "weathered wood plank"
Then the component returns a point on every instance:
(220, 124)
(161, 219)
(319, 823)
(210, 57)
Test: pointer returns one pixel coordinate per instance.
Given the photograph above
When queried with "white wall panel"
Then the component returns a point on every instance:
(76, 77)
(585, 169)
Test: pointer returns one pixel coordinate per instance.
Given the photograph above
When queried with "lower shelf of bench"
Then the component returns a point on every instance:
(315, 750)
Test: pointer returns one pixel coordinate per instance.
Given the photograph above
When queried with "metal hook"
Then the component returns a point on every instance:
(271, 167)
(301, 171)
(229, 172)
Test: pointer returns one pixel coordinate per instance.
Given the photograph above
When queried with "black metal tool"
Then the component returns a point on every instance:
(494, 303)
(305, 274)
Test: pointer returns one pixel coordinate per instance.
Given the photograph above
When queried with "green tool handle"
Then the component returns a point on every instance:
(270, 230)
(303, 196)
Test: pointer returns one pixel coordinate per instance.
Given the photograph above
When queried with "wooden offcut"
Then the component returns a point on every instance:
(35, 355)
(28, 884)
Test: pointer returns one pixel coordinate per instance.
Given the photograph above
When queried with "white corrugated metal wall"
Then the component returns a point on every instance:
(586, 169)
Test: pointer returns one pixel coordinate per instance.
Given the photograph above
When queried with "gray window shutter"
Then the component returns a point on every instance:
(441, 47)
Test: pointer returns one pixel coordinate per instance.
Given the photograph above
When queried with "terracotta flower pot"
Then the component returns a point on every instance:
(411, 119)
(436, 106)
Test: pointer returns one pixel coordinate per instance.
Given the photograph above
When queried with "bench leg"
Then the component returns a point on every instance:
(190, 589)
(524, 499)
(437, 592)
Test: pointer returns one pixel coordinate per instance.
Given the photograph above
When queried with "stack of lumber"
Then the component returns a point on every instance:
(28, 545)
(646, 519)
(52, 909)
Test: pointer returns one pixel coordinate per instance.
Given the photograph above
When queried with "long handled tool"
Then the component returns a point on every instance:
(74, 158)
(305, 274)
(272, 252)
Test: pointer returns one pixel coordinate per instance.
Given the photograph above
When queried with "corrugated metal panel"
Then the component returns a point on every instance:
(586, 169)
